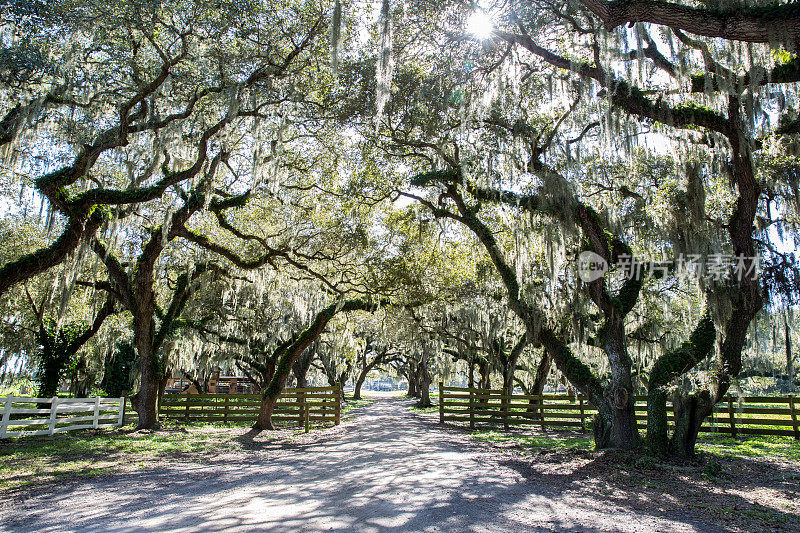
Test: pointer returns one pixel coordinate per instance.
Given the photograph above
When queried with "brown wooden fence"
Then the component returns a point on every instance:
(302, 407)
(748, 415)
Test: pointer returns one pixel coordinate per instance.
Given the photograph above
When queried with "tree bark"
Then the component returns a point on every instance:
(510, 364)
(147, 397)
(485, 372)
(302, 365)
(788, 349)
(264, 420)
(620, 431)
(362, 376)
(669, 366)
(778, 24)
(539, 381)
(425, 379)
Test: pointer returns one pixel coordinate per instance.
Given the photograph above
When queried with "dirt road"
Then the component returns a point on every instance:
(386, 469)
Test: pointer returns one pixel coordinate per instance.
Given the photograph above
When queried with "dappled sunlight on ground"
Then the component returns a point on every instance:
(387, 468)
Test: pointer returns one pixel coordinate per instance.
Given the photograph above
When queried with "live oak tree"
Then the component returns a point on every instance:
(732, 305)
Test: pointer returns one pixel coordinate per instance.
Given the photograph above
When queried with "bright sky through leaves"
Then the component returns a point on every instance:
(480, 24)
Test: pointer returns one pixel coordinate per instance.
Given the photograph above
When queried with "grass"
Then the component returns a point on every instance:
(716, 445)
(536, 443)
(431, 409)
(351, 404)
(768, 446)
(31, 460)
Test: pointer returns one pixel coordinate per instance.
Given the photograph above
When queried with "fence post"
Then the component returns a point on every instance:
(472, 408)
(53, 411)
(121, 419)
(96, 417)
(541, 410)
(187, 407)
(6, 416)
(124, 406)
(301, 397)
(305, 416)
(793, 412)
(580, 406)
(505, 412)
(338, 405)
(731, 414)
(441, 402)
(226, 413)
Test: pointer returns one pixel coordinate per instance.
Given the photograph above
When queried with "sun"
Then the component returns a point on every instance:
(480, 24)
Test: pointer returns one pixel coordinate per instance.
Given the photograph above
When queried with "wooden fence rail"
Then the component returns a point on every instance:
(748, 415)
(57, 415)
(310, 405)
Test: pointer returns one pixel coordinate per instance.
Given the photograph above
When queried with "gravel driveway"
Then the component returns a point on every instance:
(385, 469)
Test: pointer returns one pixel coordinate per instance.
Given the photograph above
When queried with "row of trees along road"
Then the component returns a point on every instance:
(292, 186)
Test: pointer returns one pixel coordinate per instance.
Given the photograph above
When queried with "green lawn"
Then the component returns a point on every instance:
(555, 441)
(725, 446)
(351, 404)
(718, 445)
(30, 460)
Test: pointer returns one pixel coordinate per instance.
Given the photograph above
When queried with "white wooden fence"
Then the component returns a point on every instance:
(64, 414)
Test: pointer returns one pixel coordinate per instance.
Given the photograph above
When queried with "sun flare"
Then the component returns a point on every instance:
(480, 24)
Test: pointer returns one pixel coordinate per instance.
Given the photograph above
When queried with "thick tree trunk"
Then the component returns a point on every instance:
(50, 374)
(788, 349)
(471, 375)
(425, 393)
(147, 404)
(362, 376)
(620, 430)
(690, 412)
(264, 420)
(413, 380)
(425, 380)
(510, 366)
(669, 366)
(539, 381)
(486, 375)
(412, 385)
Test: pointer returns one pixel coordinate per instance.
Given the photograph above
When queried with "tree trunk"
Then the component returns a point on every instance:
(471, 375)
(147, 404)
(619, 430)
(539, 381)
(425, 380)
(301, 367)
(413, 380)
(511, 364)
(788, 349)
(486, 375)
(50, 373)
(412, 385)
(264, 420)
(690, 411)
(669, 366)
(362, 376)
